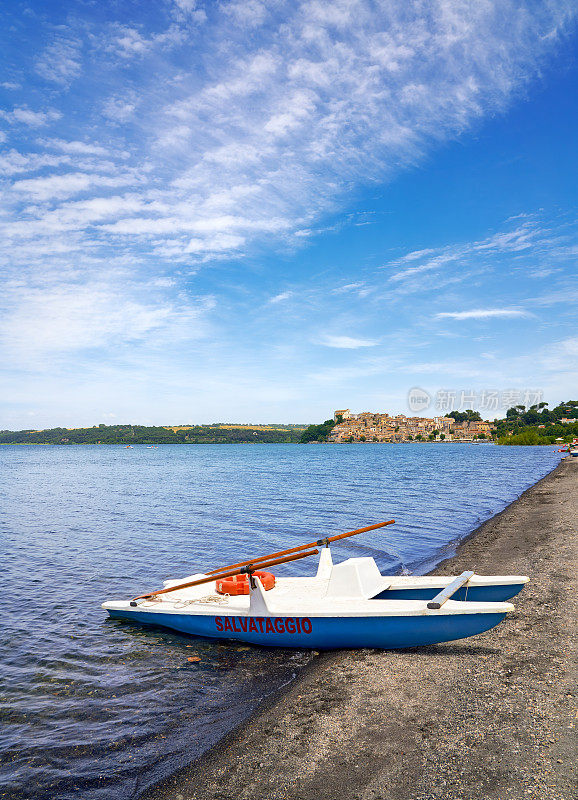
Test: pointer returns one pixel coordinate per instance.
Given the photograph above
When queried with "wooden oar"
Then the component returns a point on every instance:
(247, 568)
(318, 543)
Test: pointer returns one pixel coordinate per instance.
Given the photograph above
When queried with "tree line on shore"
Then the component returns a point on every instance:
(538, 424)
(153, 435)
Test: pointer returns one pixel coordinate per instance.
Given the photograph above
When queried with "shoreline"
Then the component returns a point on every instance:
(494, 442)
(487, 716)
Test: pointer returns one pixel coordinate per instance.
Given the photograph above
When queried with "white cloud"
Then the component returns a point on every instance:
(568, 347)
(215, 243)
(348, 287)
(339, 94)
(60, 62)
(517, 240)
(34, 119)
(128, 42)
(415, 254)
(58, 186)
(279, 298)
(75, 147)
(13, 162)
(560, 358)
(484, 313)
(186, 5)
(250, 13)
(272, 126)
(543, 272)
(428, 265)
(47, 321)
(119, 109)
(346, 342)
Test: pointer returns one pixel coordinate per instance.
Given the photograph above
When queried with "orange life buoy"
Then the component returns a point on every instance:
(239, 584)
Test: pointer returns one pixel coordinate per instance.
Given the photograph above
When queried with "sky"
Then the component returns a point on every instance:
(248, 211)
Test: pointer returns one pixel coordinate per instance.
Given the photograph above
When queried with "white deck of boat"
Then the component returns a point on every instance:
(297, 597)
(341, 590)
(311, 607)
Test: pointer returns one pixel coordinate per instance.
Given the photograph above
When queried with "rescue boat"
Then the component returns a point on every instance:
(345, 605)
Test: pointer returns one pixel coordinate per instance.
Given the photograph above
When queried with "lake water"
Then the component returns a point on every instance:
(96, 708)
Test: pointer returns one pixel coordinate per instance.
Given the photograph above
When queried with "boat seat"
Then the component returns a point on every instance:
(356, 577)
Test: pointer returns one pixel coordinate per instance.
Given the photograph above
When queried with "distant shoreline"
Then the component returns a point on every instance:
(159, 444)
(154, 435)
(221, 443)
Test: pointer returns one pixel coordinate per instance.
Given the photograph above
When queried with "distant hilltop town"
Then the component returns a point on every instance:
(374, 427)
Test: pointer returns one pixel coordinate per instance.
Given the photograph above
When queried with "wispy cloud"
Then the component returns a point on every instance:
(286, 107)
(26, 116)
(40, 323)
(484, 313)
(67, 184)
(75, 147)
(61, 61)
(349, 287)
(523, 237)
(279, 298)
(346, 342)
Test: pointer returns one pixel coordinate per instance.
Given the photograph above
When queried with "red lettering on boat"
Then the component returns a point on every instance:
(237, 630)
(279, 626)
(243, 624)
(260, 621)
(298, 622)
(253, 626)
(306, 625)
(228, 624)
(219, 623)
(269, 626)
(290, 625)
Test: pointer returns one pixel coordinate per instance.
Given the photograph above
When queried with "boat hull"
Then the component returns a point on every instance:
(324, 633)
(483, 594)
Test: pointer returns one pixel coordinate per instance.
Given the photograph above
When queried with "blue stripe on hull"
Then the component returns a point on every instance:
(475, 594)
(327, 633)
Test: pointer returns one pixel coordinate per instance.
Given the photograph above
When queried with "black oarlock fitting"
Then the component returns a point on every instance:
(133, 603)
(249, 570)
(322, 541)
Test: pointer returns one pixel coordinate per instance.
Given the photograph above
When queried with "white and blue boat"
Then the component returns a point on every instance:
(345, 605)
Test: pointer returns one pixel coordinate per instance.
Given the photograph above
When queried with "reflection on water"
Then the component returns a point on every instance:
(96, 708)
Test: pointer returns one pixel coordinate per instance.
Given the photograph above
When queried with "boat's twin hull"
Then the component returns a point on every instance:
(324, 633)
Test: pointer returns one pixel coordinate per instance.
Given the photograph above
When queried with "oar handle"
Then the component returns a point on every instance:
(248, 568)
(318, 543)
(354, 533)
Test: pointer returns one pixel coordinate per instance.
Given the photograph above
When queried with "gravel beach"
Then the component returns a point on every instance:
(490, 717)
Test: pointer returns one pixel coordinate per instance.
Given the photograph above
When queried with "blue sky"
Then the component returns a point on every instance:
(262, 211)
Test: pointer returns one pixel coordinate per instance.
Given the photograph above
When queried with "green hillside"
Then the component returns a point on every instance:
(220, 433)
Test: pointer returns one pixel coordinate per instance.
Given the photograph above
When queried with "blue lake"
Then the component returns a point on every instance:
(96, 708)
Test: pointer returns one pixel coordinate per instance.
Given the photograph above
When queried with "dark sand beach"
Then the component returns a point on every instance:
(490, 717)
